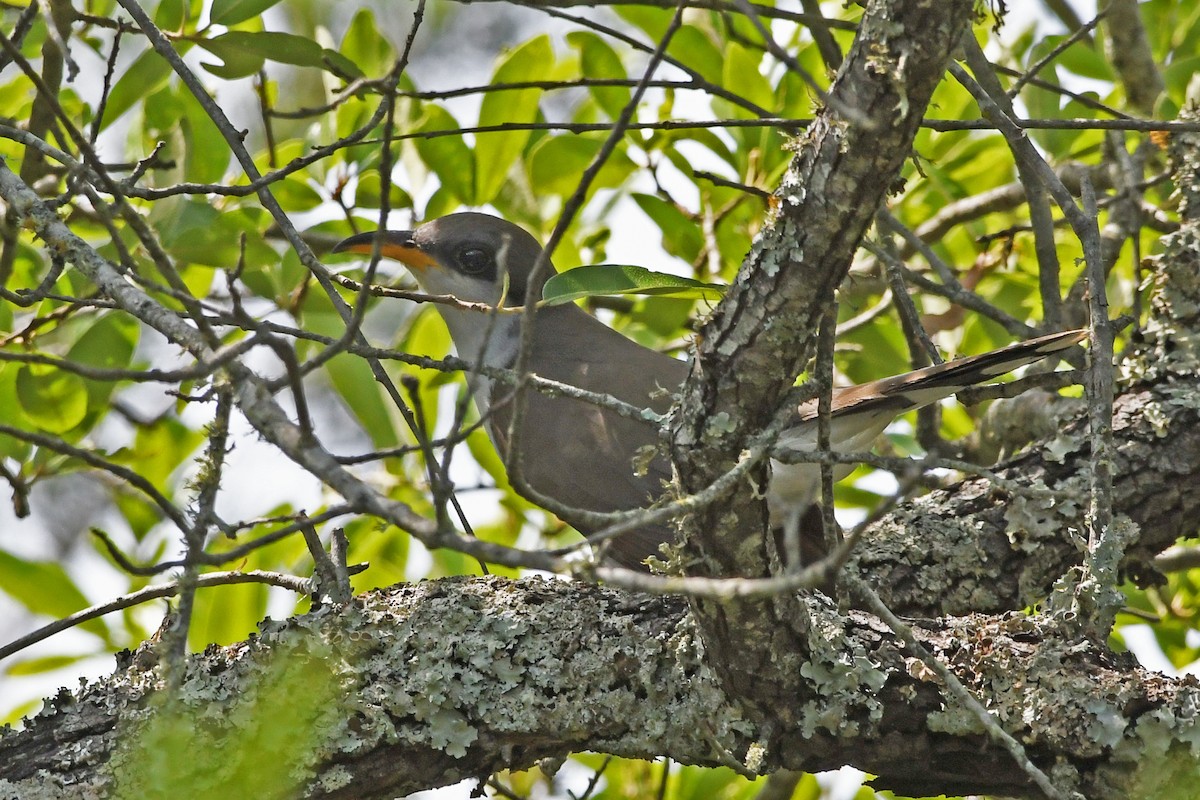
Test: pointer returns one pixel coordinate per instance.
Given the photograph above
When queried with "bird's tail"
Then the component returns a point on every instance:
(922, 386)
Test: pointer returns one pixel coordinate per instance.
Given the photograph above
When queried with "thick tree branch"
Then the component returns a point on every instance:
(974, 548)
(759, 336)
(424, 685)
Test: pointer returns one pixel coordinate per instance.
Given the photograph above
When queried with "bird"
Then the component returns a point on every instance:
(588, 457)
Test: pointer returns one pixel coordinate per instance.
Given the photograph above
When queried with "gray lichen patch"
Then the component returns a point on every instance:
(846, 677)
(507, 671)
(439, 666)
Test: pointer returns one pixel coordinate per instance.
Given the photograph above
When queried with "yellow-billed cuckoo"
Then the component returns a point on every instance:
(581, 454)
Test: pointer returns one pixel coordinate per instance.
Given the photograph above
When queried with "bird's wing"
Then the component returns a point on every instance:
(920, 387)
(858, 414)
(584, 455)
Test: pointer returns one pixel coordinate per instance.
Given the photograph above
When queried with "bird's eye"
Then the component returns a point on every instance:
(474, 260)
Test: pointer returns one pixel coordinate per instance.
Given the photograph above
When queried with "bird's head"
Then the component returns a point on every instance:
(467, 255)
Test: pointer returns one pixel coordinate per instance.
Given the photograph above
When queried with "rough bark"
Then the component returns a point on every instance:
(427, 684)
(973, 547)
(758, 336)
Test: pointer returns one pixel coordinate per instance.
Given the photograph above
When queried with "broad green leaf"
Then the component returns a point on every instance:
(793, 94)
(425, 334)
(10, 447)
(850, 496)
(198, 233)
(448, 156)
(237, 62)
(881, 346)
(1179, 75)
(162, 112)
(53, 400)
(227, 614)
(44, 588)
(338, 64)
(699, 783)
(207, 156)
(16, 102)
(1082, 59)
(664, 316)
(598, 60)
(173, 16)
(681, 237)
(366, 46)
(708, 139)
(158, 450)
(354, 382)
(369, 194)
(609, 279)
(37, 666)
(495, 153)
(441, 203)
(693, 48)
(386, 549)
(241, 50)
(146, 75)
(556, 162)
(653, 21)
(108, 344)
(231, 12)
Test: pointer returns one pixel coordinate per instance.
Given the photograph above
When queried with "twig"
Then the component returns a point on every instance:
(290, 582)
(957, 690)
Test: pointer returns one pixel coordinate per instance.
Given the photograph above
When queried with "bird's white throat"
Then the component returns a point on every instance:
(487, 339)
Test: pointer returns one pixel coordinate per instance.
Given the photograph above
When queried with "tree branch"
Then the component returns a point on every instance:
(425, 685)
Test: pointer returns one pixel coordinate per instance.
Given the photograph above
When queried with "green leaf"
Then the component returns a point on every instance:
(693, 48)
(556, 163)
(742, 70)
(495, 153)
(108, 344)
(170, 754)
(681, 237)
(665, 316)
(9, 447)
(654, 21)
(338, 64)
(158, 450)
(44, 587)
(699, 783)
(197, 233)
(369, 194)
(353, 379)
(239, 49)
(227, 614)
(231, 12)
(53, 400)
(598, 60)
(238, 62)
(365, 45)
(1179, 74)
(1082, 59)
(146, 75)
(448, 156)
(37, 666)
(207, 155)
(608, 279)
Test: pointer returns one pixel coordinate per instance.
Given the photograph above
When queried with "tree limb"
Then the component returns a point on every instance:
(427, 684)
